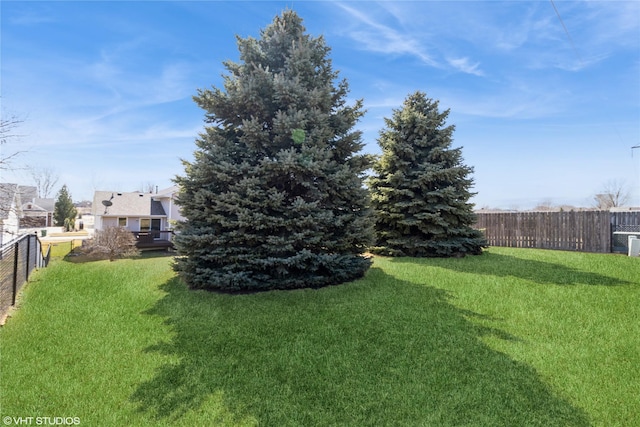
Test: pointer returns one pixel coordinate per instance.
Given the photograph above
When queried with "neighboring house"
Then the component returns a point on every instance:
(148, 215)
(10, 214)
(85, 215)
(36, 211)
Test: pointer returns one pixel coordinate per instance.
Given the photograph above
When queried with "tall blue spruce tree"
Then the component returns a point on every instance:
(274, 198)
(421, 189)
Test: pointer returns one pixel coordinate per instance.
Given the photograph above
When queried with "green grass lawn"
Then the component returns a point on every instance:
(60, 249)
(515, 337)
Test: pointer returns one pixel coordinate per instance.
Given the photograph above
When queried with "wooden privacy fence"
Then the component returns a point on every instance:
(585, 231)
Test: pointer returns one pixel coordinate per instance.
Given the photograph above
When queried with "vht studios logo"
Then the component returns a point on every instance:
(42, 421)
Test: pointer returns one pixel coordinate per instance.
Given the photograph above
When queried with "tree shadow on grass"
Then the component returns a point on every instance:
(378, 351)
(536, 271)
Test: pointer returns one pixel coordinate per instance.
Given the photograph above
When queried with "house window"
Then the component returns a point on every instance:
(122, 222)
(151, 224)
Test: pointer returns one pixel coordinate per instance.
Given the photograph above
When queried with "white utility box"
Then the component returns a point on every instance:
(634, 246)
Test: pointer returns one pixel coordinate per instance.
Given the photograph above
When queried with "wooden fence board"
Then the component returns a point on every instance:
(585, 231)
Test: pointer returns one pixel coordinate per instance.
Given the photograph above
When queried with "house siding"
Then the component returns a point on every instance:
(135, 207)
(9, 212)
(9, 227)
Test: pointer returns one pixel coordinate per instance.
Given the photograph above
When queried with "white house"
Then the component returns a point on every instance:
(36, 211)
(10, 203)
(150, 216)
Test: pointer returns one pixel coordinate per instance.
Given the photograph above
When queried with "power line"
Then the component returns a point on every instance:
(567, 32)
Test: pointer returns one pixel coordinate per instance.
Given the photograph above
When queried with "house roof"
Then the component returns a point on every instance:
(168, 192)
(40, 205)
(112, 203)
(157, 209)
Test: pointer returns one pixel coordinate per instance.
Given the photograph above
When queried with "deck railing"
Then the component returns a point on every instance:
(151, 239)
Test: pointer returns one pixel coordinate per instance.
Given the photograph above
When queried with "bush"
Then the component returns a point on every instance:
(113, 242)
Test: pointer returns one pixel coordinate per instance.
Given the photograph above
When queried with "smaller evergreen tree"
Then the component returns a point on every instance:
(64, 213)
(421, 188)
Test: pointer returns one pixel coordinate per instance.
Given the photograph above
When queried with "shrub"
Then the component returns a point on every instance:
(113, 242)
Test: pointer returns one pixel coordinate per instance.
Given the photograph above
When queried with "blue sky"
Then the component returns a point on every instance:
(544, 115)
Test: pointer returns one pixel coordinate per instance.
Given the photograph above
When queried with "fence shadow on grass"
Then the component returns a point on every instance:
(378, 351)
(542, 272)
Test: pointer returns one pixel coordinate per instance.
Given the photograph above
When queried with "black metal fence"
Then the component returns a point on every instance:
(623, 225)
(18, 259)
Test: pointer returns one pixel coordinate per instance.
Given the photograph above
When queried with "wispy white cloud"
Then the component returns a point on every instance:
(524, 105)
(29, 17)
(398, 33)
(107, 88)
(603, 24)
(378, 37)
(118, 70)
(527, 32)
(518, 98)
(588, 33)
(105, 103)
(517, 35)
(465, 65)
